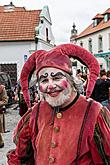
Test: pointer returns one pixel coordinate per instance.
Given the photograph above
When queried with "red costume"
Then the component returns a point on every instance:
(76, 133)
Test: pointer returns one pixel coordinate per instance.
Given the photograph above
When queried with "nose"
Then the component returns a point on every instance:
(51, 86)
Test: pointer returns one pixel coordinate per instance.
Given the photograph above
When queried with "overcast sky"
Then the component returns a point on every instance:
(64, 12)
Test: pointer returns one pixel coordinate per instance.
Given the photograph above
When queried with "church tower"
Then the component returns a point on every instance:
(73, 34)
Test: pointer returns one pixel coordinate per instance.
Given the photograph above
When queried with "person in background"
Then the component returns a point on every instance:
(101, 89)
(84, 75)
(86, 78)
(65, 128)
(21, 102)
(79, 81)
(108, 74)
(3, 102)
(108, 79)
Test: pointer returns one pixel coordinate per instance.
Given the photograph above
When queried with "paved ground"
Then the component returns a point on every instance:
(12, 117)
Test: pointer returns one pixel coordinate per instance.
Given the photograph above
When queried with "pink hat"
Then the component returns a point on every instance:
(54, 58)
(59, 57)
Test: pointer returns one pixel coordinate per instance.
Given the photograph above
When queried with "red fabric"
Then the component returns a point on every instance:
(14, 159)
(66, 139)
(20, 140)
(23, 109)
(56, 59)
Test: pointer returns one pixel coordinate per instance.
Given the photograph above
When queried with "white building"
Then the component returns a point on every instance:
(96, 38)
(21, 33)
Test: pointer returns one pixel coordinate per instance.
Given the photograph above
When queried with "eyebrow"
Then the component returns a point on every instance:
(52, 75)
(57, 74)
(43, 76)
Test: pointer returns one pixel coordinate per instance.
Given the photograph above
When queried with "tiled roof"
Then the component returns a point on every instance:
(107, 11)
(92, 29)
(98, 16)
(4, 8)
(19, 24)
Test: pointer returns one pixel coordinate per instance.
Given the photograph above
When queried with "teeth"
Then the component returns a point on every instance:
(49, 92)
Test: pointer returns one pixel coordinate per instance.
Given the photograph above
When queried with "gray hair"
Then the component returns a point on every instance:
(71, 80)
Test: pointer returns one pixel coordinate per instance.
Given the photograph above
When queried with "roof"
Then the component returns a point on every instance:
(101, 26)
(18, 23)
(107, 11)
(6, 7)
(100, 16)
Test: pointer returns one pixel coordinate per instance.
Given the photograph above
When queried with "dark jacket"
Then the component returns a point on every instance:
(101, 90)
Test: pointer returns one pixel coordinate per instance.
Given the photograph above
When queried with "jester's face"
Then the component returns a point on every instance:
(54, 86)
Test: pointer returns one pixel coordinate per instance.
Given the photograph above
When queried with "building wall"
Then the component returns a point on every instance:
(105, 35)
(14, 52)
(45, 23)
(42, 31)
(18, 52)
(106, 44)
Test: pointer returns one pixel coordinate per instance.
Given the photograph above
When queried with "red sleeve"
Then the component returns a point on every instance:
(100, 145)
(21, 138)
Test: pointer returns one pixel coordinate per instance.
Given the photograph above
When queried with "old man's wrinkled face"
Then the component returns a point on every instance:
(54, 86)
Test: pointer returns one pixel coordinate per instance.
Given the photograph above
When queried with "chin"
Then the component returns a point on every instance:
(57, 101)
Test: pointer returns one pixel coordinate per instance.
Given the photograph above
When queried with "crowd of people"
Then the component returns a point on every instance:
(101, 91)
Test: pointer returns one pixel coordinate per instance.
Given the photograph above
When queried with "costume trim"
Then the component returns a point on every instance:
(82, 130)
(105, 116)
(98, 139)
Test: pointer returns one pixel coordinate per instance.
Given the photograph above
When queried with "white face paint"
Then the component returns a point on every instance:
(54, 86)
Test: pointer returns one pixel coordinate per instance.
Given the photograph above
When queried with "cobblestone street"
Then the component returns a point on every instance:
(11, 117)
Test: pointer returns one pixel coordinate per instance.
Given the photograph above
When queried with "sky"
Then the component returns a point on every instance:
(64, 12)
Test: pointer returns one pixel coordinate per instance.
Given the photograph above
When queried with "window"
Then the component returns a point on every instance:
(82, 69)
(90, 45)
(100, 44)
(95, 23)
(47, 35)
(42, 21)
(101, 66)
(81, 44)
(105, 17)
(74, 63)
